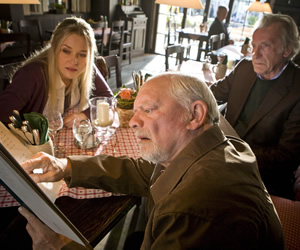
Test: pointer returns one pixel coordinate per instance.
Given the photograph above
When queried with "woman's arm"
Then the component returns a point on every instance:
(27, 92)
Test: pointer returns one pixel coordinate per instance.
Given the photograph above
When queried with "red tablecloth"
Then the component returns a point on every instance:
(123, 142)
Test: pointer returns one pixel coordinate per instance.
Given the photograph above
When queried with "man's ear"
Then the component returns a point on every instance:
(287, 52)
(198, 115)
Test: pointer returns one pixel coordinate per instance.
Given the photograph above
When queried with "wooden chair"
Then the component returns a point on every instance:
(127, 43)
(105, 64)
(174, 49)
(99, 37)
(18, 50)
(289, 215)
(101, 65)
(171, 35)
(203, 47)
(6, 71)
(187, 44)
(115, 62)
(32, 27)
(116, 38)
(214, 42)
(222, 40)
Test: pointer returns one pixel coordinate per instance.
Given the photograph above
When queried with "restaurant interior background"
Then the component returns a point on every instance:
(240, 21)
(153, 35)
(240, 24)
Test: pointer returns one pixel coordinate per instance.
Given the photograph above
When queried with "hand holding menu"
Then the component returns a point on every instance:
(27, 192)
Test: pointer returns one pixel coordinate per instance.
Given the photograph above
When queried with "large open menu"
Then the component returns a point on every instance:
(14, 178)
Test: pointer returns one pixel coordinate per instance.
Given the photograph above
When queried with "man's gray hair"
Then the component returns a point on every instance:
(222, 7)
(289, 34)
(186, 89)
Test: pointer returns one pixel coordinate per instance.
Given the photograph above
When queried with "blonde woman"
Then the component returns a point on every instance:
(62, 76)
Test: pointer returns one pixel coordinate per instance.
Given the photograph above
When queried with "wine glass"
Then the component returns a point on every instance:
(56, 123)
(81, 130)
(102, 113)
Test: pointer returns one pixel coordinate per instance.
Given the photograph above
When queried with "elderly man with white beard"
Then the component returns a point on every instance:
(203, 188)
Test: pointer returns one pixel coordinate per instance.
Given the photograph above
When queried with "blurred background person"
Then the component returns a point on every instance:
(219, 26)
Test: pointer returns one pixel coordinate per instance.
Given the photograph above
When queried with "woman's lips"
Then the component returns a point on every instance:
(71, 69)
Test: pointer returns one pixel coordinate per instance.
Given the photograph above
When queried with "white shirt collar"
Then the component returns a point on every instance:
(279, 74)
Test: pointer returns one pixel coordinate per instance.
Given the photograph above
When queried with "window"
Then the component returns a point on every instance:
(168, 17)
(242, 21)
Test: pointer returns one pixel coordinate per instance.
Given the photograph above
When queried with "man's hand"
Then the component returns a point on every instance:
(42, 236)
(53, 169)
(69, 119)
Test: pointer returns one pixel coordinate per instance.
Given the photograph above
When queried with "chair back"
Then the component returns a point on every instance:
(116, 37)
(289, 214)
(127, 43)
(172, 33)
(101, 65)
(110, 62)
(32, 27)
(6, 71)
(174, 49)
(214, 42)
(100, 36)
(18, 50)
(222, 40)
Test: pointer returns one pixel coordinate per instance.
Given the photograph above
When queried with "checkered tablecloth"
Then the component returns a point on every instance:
(122, 142)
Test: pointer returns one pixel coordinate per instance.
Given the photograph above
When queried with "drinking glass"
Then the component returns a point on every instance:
(55, 124)
(102, 113)
(81, 130)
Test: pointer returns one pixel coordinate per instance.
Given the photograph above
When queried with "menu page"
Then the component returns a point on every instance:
(13, 145)
(18, 182)
(21, 153)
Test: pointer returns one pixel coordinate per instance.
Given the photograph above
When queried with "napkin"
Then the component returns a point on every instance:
(40, 122)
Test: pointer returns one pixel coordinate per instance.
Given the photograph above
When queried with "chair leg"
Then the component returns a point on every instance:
(188, 52)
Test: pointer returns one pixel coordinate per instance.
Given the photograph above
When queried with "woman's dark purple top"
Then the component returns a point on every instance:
(28, 92)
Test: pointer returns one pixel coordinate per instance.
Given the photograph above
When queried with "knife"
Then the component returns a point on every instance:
(28, 135)
(36, 136)
(17, 131)
(134, 80)
(26, 123)
(15, 121)
(17, 115)
(29, 129)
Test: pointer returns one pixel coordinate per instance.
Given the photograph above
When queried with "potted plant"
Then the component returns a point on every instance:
(125, 99)
(60, 8)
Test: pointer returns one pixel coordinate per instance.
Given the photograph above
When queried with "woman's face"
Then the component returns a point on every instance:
(71, 59)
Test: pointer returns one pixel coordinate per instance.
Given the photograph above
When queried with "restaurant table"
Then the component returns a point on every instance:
(232, 51)
(195, 35)
(197, 69)
(93, 211)
(98, 34)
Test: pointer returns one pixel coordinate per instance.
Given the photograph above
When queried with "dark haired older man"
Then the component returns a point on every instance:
(263, 101)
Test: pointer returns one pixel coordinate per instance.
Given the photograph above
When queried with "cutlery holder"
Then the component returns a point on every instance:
(46, 147)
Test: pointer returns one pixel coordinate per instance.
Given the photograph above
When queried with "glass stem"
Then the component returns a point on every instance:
(82, 146)
(55, 139)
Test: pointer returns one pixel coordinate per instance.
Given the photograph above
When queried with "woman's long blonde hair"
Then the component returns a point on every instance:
(48, 58)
